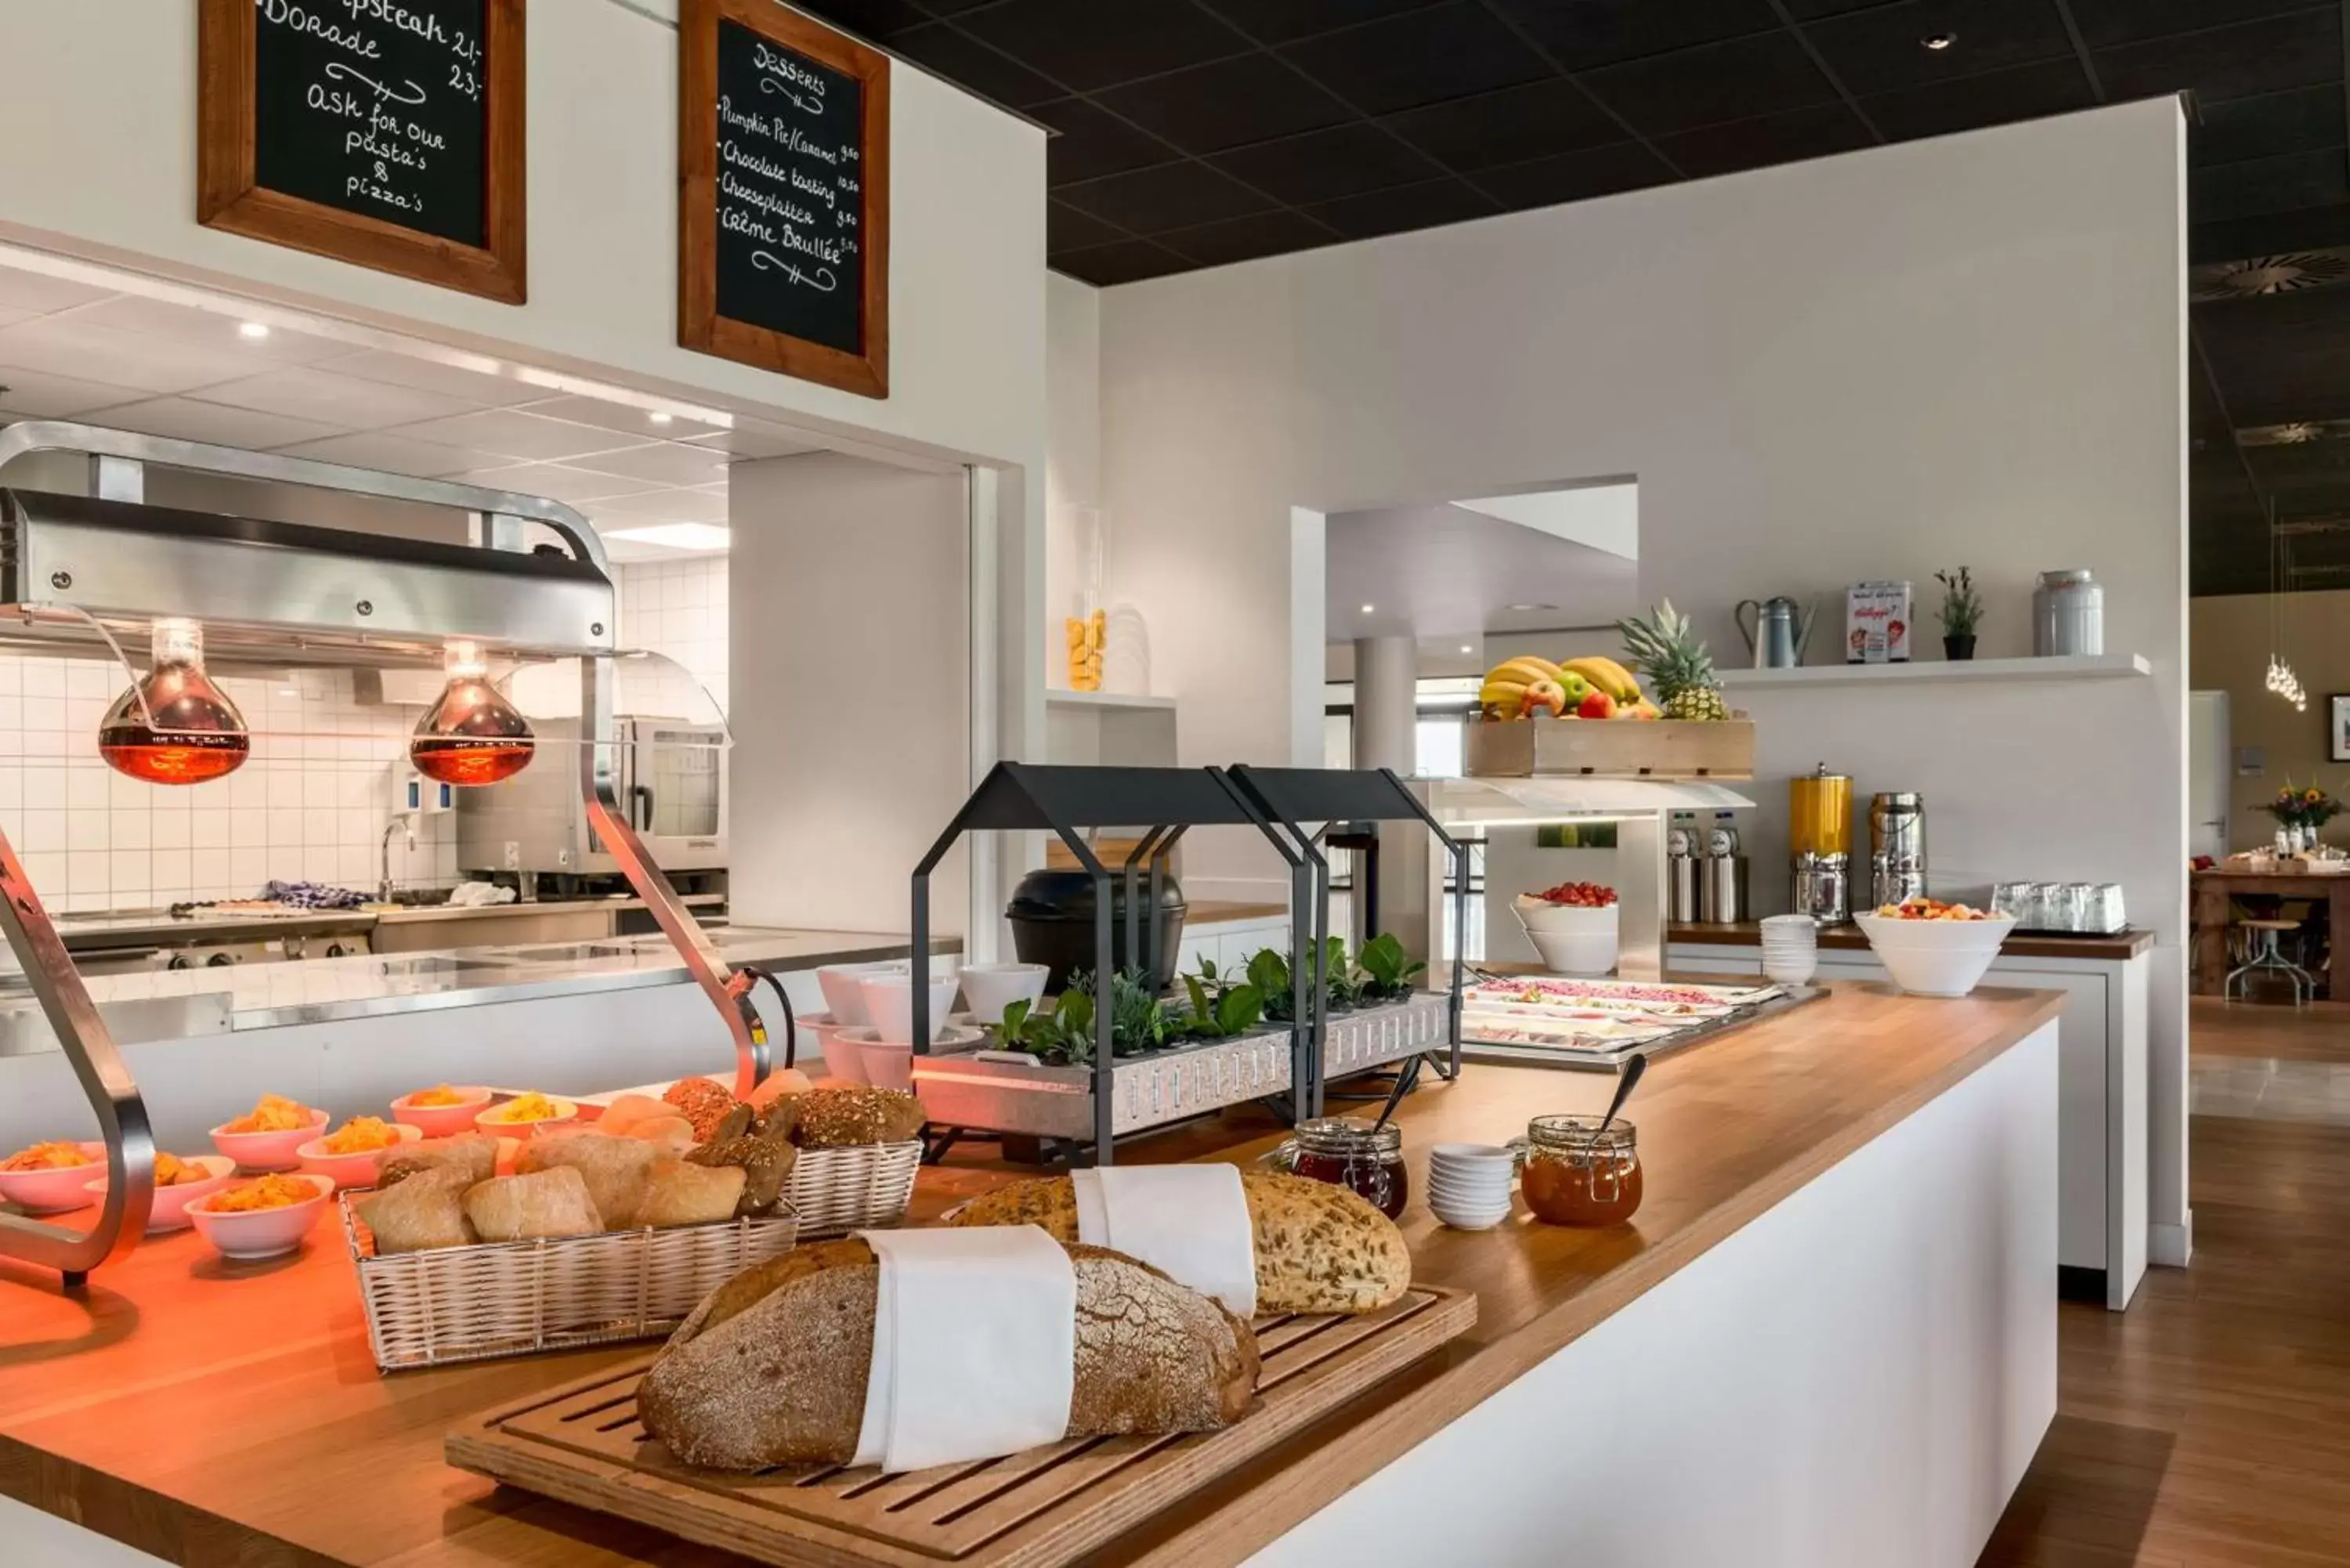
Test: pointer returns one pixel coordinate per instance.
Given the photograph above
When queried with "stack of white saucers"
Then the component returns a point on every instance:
(1790, 948)
(1468, 1184)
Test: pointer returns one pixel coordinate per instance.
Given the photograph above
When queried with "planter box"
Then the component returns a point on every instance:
(1146, 1091)
(1374, 1036)
(1611, 748)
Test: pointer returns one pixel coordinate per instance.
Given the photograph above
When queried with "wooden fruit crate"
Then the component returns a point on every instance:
(1611, 748)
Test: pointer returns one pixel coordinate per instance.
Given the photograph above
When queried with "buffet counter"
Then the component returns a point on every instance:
(1828, 1337)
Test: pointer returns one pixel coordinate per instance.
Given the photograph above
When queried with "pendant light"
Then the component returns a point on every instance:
(174, 726)
(473, 735)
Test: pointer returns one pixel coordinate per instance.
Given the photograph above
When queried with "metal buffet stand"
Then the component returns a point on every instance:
(1085, 1109)
(82, 574)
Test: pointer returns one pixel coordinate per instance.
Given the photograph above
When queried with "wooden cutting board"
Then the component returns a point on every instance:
(583, 1444)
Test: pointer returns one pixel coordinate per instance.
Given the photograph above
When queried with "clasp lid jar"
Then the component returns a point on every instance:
(1578, 1174)
(1346, 1151)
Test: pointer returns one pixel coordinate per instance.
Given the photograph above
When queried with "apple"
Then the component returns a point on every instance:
(1597, 705)
(1543, 697)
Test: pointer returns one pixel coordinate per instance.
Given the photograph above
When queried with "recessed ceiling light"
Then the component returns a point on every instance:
(256, 330)
(1368, 609)
(677, 535)
(658, 418)
(1938, 42)
(1468, 648)
(1528, 607)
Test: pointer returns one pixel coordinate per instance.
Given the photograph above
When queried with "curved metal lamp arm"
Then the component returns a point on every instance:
(121, 1114)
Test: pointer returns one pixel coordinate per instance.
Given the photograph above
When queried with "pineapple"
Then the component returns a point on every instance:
(1665, 650)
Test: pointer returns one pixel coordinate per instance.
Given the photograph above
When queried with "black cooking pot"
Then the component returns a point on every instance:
(1052, 919)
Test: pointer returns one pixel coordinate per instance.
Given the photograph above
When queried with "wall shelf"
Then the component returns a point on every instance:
(2077, 667)
(1056, 698)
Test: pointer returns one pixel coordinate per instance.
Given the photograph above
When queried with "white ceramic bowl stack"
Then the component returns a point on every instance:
(889, 1064)
(1468, 1184)
(1572, 938)
(842, 985)
(1790, 948)
(989, 988)
(1936, 958)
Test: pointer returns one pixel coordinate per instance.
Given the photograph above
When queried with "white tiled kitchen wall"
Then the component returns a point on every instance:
(677, 608)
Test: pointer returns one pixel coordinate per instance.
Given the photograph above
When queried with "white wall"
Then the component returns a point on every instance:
(1073, 468)
(1968, 349)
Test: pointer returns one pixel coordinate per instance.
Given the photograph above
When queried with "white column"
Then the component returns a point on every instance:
(1386, 704)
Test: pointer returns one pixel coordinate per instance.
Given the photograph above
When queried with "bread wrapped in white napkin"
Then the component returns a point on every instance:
(1191, 1222)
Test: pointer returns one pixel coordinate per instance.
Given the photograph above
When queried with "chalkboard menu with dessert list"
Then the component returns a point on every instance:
(784, 238)
(383, 132)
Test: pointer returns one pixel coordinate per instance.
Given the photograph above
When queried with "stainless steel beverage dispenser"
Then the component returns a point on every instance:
(1896, 847)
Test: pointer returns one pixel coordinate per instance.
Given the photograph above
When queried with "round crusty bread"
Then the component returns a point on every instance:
(1319, 1247)
(771, 1368)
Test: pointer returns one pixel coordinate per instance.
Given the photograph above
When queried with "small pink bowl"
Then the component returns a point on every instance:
(268, 1150)
(359, 1169)
(170, 1210)
(496, 1125)
(54, 1192)
(261, 1232)
(442, 1121)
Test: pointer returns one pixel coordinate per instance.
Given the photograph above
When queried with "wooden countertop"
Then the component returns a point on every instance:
(2125, 943)
(215, 1412)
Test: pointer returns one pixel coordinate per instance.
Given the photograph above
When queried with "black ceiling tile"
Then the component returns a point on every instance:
(2104, 23)
(1995, 98)
(1067, 229)
(1426, 205)
(1805, 10)
(1421, 57)
(1093, 143)
(1087, 44)
(1575, 176)
(1813, 132)
(1172, 196)
(1883, 50)
(2273, 55)
(1252, 98)
(1125, 261)
(1276, 233)
(2280, 357)
(1345, 161)
(2263, 127)
(1743, 79)
(1529, 122)
(1279, 21)
(969, 64)
(2314, 228)
(1581, 34)
(2285, 184)
(951, 7)
(875, 19)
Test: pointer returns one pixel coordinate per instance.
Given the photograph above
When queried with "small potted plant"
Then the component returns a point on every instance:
(1962, 609)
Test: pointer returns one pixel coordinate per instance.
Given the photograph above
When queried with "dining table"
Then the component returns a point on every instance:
(2216, 889)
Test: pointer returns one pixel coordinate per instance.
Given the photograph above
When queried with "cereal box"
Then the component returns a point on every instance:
(1877, 623)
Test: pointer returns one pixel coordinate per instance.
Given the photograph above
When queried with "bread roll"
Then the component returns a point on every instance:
(770, 1370)
(422, 1212)
(475, 1154)
(781, 1083)
(669, 1135)
(1319, 1247)
(628, 1110)
(846, 1116)
(520, 1208)
(614, 1168)
(766, 1165)
(677, 1193)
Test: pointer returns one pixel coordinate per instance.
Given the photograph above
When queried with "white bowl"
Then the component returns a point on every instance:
(168, 1211)
(844, 989)
(1474, 1193)
(1936, 958)
(989, 988)
(55, 1192)
(1587, 954)
(1790, 968)
(263, 1233)
(442, 1121)
(817, 1032)
(1541, 915)
(496, 1125)
(889, 1064)
(359, 1169)
(889, 1005)
(268, 1150)
(1469, 1217)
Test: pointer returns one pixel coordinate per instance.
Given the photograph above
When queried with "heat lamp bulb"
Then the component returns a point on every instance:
(185, 730)
(473, 735)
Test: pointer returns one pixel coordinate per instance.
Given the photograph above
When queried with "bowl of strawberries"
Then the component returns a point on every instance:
(1573, 926)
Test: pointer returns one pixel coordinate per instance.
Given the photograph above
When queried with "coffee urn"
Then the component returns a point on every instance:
(1819, 842)
(1681, 863)
(1897, 847)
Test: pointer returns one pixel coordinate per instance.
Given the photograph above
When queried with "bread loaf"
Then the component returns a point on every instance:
(1319, 1247)
(845, 1115)
(771, 1368)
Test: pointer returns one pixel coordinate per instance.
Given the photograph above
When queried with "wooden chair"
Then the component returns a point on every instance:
(2268, 958)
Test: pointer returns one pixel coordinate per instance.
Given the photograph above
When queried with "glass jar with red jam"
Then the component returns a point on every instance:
(1347, 1152)
(1577, 1174)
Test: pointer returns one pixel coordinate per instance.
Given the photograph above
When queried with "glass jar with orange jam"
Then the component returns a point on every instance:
(1575, 1174)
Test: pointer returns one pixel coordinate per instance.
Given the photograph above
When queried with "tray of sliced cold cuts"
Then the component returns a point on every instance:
(1553, 1021)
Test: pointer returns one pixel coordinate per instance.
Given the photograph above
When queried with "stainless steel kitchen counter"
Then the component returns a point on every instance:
(161, 928)
(173, 1003)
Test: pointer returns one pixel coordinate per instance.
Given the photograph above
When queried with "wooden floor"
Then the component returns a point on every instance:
(2210, 1424)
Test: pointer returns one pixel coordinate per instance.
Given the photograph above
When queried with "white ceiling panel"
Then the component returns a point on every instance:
(392, 454)
(219, 328)
(754, 439)
(185, 419)
(432, 375)
(662, 464)
(623, 418)
(306, 393)
(553, 480)
(9, 317)
(660, 506)
(41, 293)
(65, 346)
(512, 434)
(35, 395)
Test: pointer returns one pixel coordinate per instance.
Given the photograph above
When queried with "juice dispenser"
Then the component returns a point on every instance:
(1819, 842)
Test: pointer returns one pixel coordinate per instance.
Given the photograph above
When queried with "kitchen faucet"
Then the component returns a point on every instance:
(403, 823)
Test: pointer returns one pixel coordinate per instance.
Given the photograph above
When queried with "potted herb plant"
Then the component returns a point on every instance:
(1962, 609)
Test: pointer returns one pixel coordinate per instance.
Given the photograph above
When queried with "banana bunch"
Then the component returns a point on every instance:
(1604, 674)
(1528, 686)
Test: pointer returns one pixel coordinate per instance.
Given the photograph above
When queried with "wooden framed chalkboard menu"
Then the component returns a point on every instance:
(387, 133)
(783, 195)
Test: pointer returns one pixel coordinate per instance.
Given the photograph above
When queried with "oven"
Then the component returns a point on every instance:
(669, 779)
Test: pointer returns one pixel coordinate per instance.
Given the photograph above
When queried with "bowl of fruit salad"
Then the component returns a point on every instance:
(50, 1178)
(1573, 926)
(444, 1110)
(353, 1152)
(1934, 949)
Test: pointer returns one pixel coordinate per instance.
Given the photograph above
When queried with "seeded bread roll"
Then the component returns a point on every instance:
(845, 1115)
(771, 1368)
(1319, 1247)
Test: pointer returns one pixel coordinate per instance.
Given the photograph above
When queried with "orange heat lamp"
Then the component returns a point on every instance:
(174, 726)
(473, 735)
